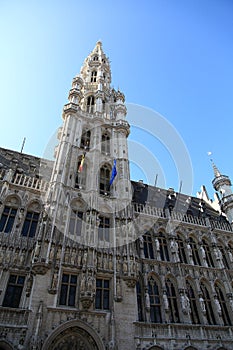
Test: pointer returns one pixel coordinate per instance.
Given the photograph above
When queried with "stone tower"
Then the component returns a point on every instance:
(222, 184)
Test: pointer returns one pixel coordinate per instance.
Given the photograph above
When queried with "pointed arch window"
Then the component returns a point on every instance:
(193, 304)
(222, 302)
(163, 247)
(207, 300)
(172, 300)
(139, 301)
(90, 104)
(105, 143)
(104, 186)
(155, 303)
(148, 246)
(181, 249)
(195, 253)
(209, 258)
(95, 58)
(93, 76)
(7, 219)
(85, 140)
(81, 174)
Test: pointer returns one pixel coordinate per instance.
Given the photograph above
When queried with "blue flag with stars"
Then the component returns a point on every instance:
(114, 172)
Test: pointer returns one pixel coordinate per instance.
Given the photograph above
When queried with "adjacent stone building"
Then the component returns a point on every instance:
(90, 260)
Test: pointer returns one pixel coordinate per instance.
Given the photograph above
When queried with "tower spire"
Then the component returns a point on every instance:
(215, 169)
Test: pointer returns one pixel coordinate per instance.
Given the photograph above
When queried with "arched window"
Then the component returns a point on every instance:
(209, 258)
(81, 174)
(139, 301)
(148, 246)
(208, 306)
(105, 143)
(155, 304)
(195, 254)
(163, 247)
(193, 305)
(9, 214)
(172, 301)
(181, 249)
(90, 104)
(7, 219)
(95, 58)
(85, 140)
(222, 301)
(104, 186)
(93, 76)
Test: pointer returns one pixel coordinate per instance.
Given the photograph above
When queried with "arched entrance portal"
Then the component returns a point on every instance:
(73, 335)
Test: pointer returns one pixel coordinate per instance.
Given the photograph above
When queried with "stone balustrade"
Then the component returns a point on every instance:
(30, 182)
(13, 317)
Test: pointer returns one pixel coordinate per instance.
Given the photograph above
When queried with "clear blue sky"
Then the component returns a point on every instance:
(172, 56)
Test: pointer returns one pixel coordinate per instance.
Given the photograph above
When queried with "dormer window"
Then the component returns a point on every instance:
(95, 58)
(93, 76)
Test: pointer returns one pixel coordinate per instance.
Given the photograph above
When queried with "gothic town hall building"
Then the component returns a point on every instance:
(89, 265)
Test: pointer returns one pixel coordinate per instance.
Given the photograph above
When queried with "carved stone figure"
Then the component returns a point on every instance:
(147, 301)
(174, 250)
(202, 304)
(165, 301)
(185, 303)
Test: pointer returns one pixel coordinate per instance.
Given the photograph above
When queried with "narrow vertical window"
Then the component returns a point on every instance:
(193, 305)
(148, 247)
(103, 231)
(14, 291)
(195, 254)
(75, 224)
(105, 144)
(207, 300)
(139, 301)
(102, 294)
(155, 304)
(181, 250)
(30, 224)
(209, 258)
(104, 186)
(85, 140)
(172, 300)
(81, 175)
(7, 219)
(222, 301)
(163, 247)
(224, 256)
(68, 290)
(90, 104)
(93, 76)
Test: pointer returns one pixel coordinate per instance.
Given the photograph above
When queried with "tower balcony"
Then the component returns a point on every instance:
(69, 108)
(221, 180)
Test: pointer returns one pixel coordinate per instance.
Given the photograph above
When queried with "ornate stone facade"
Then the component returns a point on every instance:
(89, 265)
